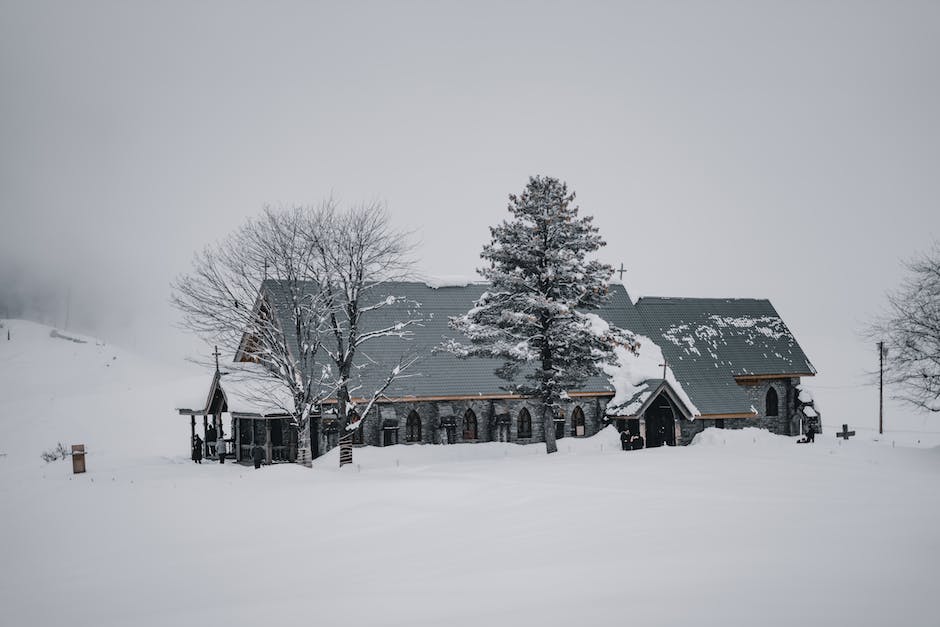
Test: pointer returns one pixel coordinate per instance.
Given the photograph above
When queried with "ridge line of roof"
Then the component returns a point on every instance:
(700, 299)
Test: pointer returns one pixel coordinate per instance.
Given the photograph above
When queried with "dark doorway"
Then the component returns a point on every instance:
(469, 425)
(661, 423)
(413, 427)
(577, 423)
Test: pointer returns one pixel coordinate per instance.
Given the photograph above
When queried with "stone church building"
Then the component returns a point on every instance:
(730, 363)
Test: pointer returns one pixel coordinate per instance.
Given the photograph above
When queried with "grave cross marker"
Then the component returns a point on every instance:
(845, 434)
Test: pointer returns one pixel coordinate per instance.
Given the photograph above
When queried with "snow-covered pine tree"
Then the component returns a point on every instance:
(541, 284)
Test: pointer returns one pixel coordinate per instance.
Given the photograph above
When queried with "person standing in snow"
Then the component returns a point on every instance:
(220, 446)
(197, 449)
(625, 440)
(210, 438)
(257, 455)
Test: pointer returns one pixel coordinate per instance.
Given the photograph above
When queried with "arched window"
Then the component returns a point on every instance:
(469, 425)
(413, 427)
(577, 422)
(773, 403)
(524, 426)
(357, 434)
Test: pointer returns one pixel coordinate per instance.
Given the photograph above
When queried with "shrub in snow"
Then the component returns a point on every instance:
(58, 452)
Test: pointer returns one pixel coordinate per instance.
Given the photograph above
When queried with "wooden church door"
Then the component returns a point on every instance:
(660, 423)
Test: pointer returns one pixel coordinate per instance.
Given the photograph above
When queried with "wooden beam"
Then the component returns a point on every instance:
(745, 379)
(713, 416)
(468, 397)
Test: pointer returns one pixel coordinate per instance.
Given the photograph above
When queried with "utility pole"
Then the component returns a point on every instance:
(881, 387)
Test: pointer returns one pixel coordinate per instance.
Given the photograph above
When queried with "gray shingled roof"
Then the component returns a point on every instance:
(709, 341)
(706, 341)
(438, 373)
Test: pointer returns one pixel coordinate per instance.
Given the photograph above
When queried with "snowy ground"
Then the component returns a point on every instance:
(741, 528)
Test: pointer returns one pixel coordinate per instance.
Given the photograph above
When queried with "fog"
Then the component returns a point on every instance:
(787, 151)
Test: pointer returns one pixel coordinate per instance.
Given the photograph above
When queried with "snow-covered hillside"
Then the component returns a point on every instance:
(63, 387)
(740, 528)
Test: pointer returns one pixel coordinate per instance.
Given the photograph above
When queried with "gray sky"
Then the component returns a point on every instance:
(782, 150)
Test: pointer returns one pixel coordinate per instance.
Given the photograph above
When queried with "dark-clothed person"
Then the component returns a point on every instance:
(257, 455)
(625, 440)
(197, 449)
(211, 438)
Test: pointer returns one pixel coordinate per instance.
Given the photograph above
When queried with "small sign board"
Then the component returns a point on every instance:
(78, 458)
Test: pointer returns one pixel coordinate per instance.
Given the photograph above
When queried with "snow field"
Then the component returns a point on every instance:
(741, 528)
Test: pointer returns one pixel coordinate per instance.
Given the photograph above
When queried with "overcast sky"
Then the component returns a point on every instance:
(787, 150)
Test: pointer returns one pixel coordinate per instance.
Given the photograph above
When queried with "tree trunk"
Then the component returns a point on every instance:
(548, 426)
(342, 416)
(345, 450)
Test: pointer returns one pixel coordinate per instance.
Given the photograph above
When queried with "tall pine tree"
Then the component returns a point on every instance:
(533, 316)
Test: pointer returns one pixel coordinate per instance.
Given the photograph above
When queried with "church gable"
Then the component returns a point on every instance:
(715, 345)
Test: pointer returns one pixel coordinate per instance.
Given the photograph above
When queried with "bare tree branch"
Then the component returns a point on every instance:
(911, 331)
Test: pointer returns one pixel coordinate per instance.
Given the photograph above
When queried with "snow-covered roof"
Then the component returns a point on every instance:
(711, 341)
(246, 389)
(636, 377)
(438, 373)
(249, 390)
(449, 280)
(707, 342)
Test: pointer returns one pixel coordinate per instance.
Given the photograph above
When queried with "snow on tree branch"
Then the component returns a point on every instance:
(542, 282)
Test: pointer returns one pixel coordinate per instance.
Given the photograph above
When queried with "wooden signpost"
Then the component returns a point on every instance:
(78, 458)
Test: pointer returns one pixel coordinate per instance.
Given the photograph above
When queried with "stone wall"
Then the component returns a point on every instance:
(690, 428)
(489, 414)
(786, 422)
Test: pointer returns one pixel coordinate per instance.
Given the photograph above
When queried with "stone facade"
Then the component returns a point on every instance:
(786, 422)
(444, 422)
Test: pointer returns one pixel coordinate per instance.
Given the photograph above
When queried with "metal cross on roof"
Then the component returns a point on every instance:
(621, 271)
(845, 434)
(664, 365)
(216, 353)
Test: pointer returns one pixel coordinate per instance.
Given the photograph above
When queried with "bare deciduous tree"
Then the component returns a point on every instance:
(357, 252)
(225, 300)
(286, 292)
(911, 332)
